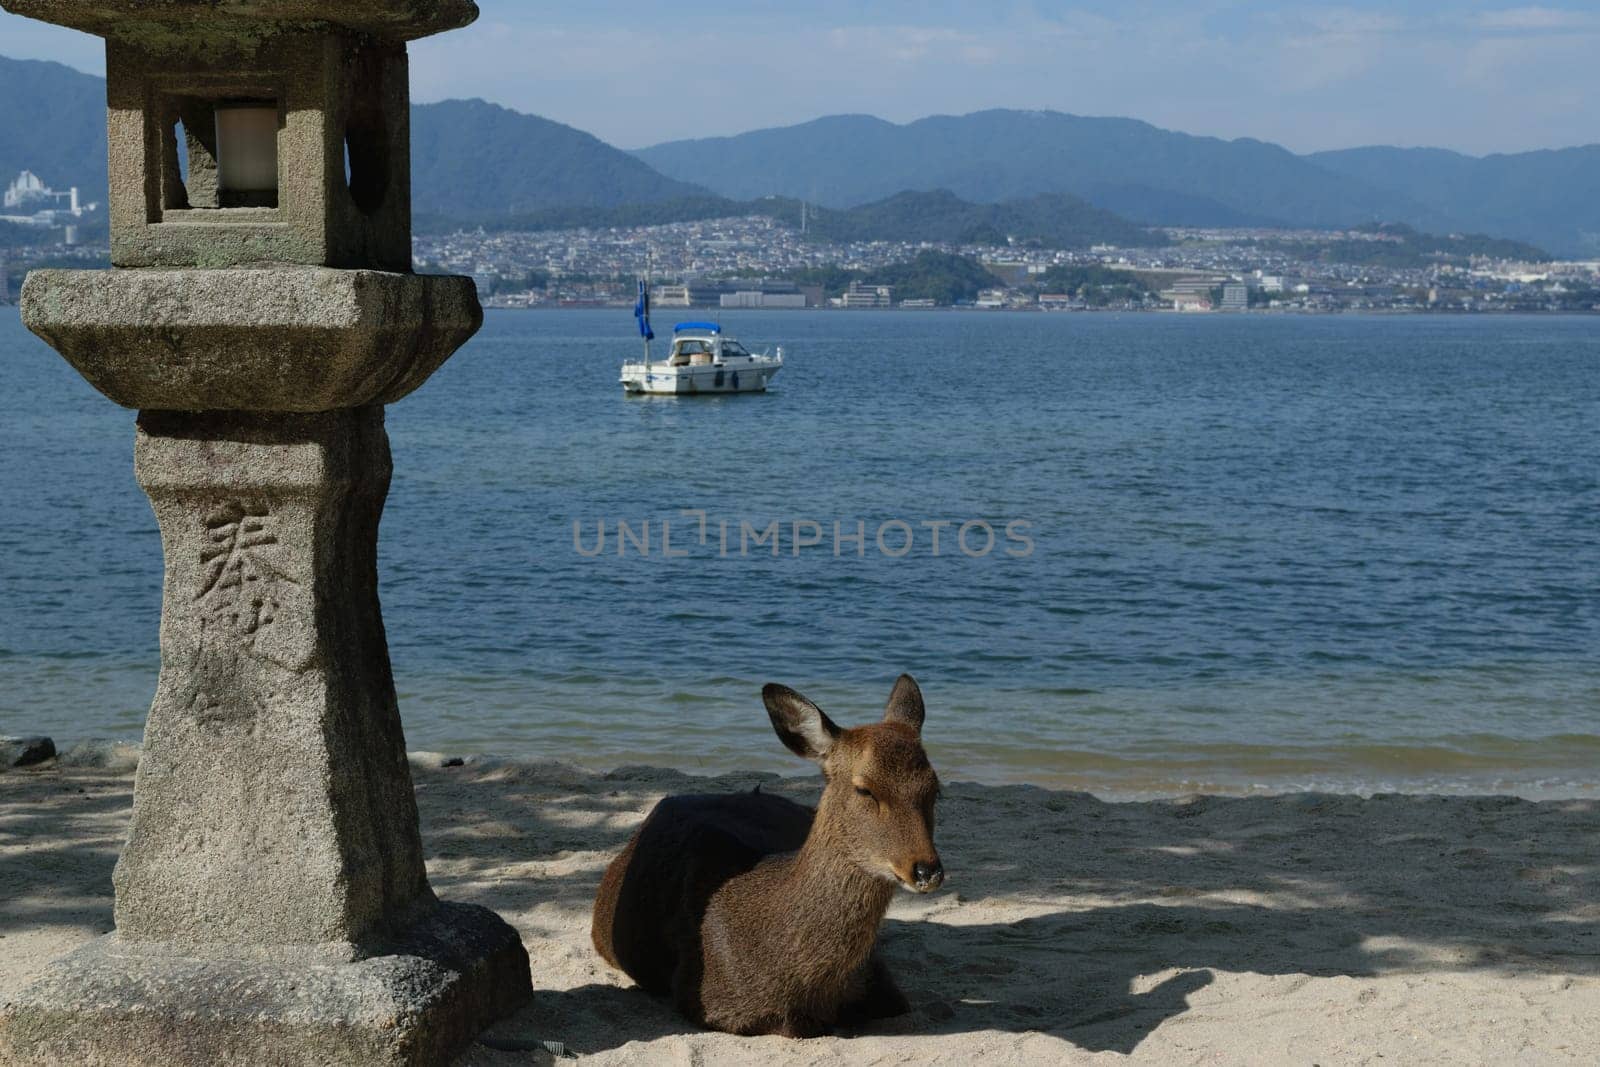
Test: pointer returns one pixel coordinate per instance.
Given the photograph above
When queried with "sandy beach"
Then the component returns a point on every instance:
(1301, 929)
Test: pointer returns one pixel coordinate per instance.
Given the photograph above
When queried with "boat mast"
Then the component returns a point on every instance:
(641, 311)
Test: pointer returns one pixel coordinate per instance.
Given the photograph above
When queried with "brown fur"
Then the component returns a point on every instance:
(758, 915)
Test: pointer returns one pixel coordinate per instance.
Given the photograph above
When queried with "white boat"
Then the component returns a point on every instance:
(702, 360)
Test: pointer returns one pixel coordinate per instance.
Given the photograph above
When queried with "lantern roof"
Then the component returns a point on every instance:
(401, 20)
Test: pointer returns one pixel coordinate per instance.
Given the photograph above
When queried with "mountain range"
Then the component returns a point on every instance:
(1049, 175)
(1153, 175)
(1548, 197)
(471, 159)
(1000, 155)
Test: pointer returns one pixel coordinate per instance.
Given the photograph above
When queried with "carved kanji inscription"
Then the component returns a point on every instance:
(241, 587)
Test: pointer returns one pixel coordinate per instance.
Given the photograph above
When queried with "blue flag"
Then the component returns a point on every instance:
(641, 311)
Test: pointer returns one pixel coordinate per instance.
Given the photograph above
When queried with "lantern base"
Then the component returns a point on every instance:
(424, 1000)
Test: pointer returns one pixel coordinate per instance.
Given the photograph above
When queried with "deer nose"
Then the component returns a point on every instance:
(928, 875)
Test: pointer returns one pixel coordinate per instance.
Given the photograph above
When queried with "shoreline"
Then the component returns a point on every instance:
(1110, 787)
(1580, 313)
(1442, 313)
(1260, 929)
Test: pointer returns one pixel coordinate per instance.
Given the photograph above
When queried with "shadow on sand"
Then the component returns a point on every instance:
(1122, 911)
(72, 828)
(1170, 892)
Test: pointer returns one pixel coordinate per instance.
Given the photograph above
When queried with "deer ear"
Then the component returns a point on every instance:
(905, 704)
(800, 724)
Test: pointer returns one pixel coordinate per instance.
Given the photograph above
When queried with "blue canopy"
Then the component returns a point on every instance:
(641, 311)
(714, 327)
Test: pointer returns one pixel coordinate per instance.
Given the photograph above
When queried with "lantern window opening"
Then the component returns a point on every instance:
(219, 153)
(367, 151)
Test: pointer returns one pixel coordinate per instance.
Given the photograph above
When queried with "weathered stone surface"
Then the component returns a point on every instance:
(397, 19)
(25, 751)
(273, 803)
(418, 999)
(300, 339)
(339, 97)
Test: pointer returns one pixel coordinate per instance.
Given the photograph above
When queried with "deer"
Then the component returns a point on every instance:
(758, 915)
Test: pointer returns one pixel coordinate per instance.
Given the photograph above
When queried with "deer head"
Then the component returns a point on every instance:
(877, 806)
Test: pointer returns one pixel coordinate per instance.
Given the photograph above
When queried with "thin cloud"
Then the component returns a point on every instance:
(1539, 20)
(916, 44)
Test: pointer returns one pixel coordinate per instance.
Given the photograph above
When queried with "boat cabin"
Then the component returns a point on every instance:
(701, 344)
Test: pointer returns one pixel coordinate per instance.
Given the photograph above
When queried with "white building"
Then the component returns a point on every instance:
(1189, 302)
(1190, 293)
(36, 204)
(28, 191)
(670, 296)
(861, 295)
(755, 298)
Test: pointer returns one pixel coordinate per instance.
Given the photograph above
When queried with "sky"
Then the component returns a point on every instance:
(1477, 76)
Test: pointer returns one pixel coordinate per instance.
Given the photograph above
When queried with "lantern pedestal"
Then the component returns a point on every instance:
(435, 986)
(271, 903)
(273, 803)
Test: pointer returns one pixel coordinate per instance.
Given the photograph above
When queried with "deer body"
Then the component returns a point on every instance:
(757, 915)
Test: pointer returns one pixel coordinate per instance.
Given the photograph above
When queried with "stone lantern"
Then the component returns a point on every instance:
(271, 902)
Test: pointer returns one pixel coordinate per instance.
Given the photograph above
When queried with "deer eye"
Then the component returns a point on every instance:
(863, 791)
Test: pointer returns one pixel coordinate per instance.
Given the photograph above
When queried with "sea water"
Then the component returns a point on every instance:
(1176, 552)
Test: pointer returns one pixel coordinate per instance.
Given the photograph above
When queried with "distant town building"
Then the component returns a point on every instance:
(991, 298)
(1235, 297)
(25, 191)
(755, 298)
(670, 296)
(1190, 301)
(706, 294)
(733, 292)
(1193, 285)
(30, 194)
(1190, 292)
(921, 304)
(862, 295)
